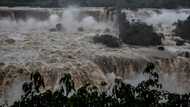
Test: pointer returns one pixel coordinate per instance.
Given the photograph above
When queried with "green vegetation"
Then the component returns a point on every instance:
(140, 34)
(148, 93)
(137, 33)
(182, 29)
(133, 33)
(100, 3)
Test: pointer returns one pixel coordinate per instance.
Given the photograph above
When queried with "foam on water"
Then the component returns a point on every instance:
(72, 51)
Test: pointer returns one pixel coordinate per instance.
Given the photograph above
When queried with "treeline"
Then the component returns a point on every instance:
(148, 93)
(100, 3)
(32, 3)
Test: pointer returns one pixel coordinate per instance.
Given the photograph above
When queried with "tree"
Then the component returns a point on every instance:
(37, 80)
(137, 33)
(182, 29)
(147, 93)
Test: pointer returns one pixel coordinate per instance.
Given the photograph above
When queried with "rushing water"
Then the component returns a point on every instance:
(28, 44)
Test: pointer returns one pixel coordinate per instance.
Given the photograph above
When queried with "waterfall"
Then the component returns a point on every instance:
(28, 45)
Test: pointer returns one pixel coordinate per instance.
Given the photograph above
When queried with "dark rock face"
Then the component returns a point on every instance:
(180, 42)
(10, 41)
(108, 40)
(182, 29)
(161, 48)
(80, 29)
(58, 27)
(52, 30)
(137, 33)
(185, 54)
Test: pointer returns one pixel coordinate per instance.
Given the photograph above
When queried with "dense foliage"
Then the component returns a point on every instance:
(133, 33)
(148, 93)
(137, 33)
(182, 29)
(140, 34)
(100, 3)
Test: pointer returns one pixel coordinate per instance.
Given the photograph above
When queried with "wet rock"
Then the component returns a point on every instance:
(107, 30)
(108, 40)
(53, 30)
(70, 57)
(2, 75)
(59, 27)
(2, 64)
(161, 48)
(10, 41)
(185, 54)
(180, 42)
(80, 29)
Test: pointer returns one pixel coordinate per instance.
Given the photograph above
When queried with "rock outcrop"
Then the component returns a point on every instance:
(182, 29)
(108, 40)
(137, 33)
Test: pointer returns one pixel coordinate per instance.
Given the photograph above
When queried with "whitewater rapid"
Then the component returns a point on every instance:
(29, 45)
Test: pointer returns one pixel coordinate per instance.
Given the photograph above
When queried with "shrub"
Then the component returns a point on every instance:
(148, 93)
(182, 29)
(108, 40)
(140, 34)
(137, 33)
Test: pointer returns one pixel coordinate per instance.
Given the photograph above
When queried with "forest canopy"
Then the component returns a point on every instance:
(100, 3)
